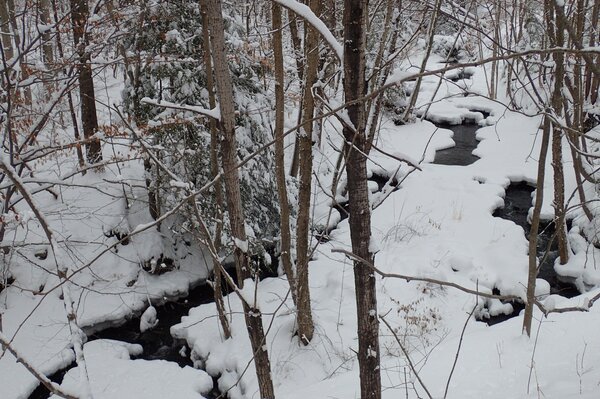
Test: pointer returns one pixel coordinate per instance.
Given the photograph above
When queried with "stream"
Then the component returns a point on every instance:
(517, 201)
(159, 344)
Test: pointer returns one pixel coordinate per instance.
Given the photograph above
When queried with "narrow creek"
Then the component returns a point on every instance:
(517, 202)
(159, 344)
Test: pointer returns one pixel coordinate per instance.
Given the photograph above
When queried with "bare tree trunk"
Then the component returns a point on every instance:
(46, 37)
(355, 22)
(297, 45)
(286, 241)
(17, 50)
(535, 225)
(430, 34)
(592, 82)
(559, 179)
(305, 142)
(252, 314)
(89, 118)
(495, 44)
(69, 95)
(559, 194)
(12, 18)
(5, 31)
(382, 69)
(214, 170)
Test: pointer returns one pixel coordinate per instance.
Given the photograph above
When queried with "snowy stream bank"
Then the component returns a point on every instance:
(159, 344)
(517, 203)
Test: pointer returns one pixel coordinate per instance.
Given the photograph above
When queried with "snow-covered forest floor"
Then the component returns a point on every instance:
(437, 225)
(436, 238)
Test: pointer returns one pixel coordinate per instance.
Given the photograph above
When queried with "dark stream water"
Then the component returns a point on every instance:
(159, 344)
(462, 153)
(343, 207)
(517, 201)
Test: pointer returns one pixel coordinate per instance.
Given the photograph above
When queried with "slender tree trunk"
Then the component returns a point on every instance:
(297, 45)
(214, 170)
(535, 225)
(72, 112)
(592, 81)
(381, 71)
(224, 87)
(430, 34)
(5, 31)
(286, 241)
(559, 179)
(89, 118)
(305, 142)
(355, 21)
(46, 36)
(24, 68)
(12, 16)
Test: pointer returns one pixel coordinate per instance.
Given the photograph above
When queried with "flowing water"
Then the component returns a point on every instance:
(159, 344)
(517, 201)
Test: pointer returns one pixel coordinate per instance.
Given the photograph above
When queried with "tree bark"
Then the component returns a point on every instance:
(47, 51)
(535, 225)
(12, 17)
(305, 143)
(297, 45)
(214, 170)
(89, 118)
(286, 241)
(5, 32)
(224, 87)
(355, 21)
(430, 34)
(559, 179)
(72, 112)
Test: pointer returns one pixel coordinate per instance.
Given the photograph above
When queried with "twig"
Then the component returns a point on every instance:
(425, 279)
(45, 381)
(410, 363)
(462, 334)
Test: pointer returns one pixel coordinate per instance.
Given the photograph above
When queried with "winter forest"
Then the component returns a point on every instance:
(260, 199)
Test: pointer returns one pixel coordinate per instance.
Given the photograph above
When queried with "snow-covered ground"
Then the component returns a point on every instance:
(438, 225)
(108, 283)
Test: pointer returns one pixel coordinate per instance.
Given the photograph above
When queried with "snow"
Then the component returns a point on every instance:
(113, 375)
(109, 285)
(241, 244)
(148, 320)
(437, 225)
(305, 12)
(248, 293)
(214, 113)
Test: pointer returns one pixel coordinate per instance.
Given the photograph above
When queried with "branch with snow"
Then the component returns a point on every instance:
(305, 12)
(588, 302)
(214, 113)
(424, 279)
